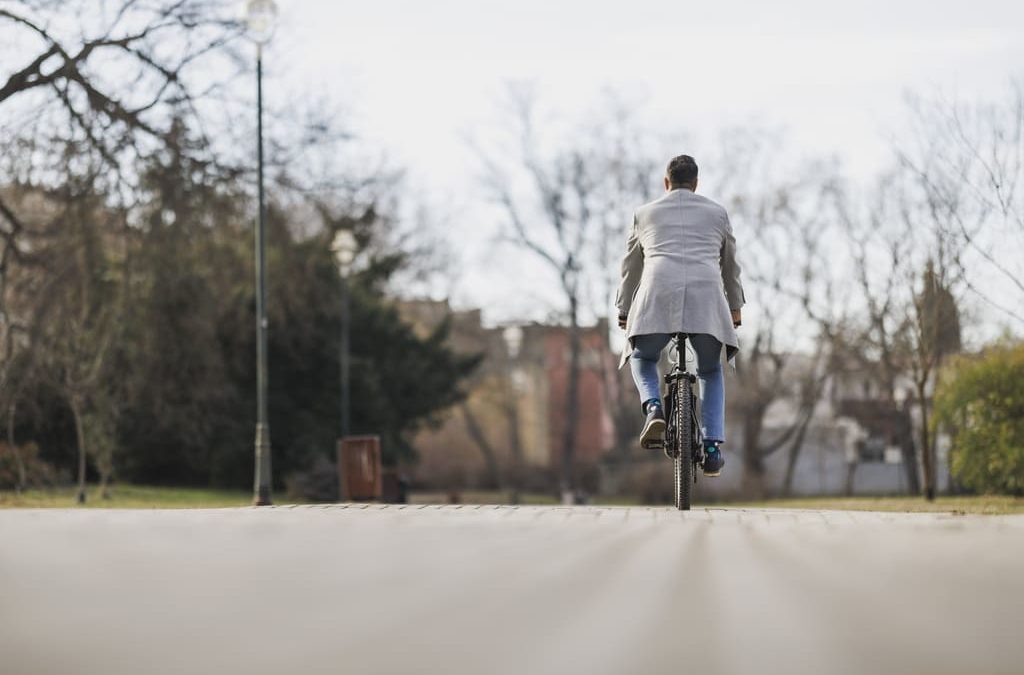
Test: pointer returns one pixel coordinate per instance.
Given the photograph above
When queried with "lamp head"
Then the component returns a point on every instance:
(344, 247)
(260, 19)
(513, 340)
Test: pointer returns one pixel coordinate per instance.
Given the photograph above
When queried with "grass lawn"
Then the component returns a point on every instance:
(128, 497)
(479, 497)
(979, 504)
(143, 497)
(986, 505)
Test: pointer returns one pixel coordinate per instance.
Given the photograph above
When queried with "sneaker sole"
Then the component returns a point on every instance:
(653, 435)
(713, 475)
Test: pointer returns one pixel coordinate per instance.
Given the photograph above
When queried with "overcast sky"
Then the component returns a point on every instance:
(417, 76)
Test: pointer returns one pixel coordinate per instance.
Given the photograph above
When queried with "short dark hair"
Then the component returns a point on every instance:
(682, 171)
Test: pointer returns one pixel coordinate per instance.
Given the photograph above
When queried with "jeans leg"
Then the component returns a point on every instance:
(709, 370)
(643, 363)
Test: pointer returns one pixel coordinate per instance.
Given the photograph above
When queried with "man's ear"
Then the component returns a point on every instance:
(667, 184)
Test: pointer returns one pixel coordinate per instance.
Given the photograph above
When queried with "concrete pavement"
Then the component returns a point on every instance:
(392, 589)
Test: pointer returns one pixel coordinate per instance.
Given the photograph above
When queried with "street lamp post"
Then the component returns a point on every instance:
(345, 247)
(513, 336)
(259, 19)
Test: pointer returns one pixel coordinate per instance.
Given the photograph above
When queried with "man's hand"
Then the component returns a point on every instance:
(622, 322)
(737, 318)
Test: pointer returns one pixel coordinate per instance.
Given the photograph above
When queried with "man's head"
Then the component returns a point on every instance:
(681, 173)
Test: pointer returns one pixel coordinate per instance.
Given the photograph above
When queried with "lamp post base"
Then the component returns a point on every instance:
(261, 490)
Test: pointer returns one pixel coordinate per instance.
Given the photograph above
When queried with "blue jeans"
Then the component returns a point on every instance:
(644, 364)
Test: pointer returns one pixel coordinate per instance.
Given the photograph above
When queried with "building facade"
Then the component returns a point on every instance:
(512, 426)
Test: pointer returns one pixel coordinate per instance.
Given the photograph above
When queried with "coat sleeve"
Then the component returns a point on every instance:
(731, 270)
(632, 268)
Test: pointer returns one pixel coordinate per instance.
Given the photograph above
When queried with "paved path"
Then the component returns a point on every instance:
(476, 590)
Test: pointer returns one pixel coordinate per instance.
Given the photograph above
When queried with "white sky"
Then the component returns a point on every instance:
(418, 75)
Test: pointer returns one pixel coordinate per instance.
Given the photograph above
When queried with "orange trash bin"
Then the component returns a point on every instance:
(359, 469)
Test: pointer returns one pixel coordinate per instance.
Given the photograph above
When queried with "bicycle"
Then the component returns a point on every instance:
(683, 439)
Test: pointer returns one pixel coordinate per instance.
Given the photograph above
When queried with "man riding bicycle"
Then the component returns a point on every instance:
(679, 275)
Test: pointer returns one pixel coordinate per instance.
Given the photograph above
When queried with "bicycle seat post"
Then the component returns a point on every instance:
(681, 352)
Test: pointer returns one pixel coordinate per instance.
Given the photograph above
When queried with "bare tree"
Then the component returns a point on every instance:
(935, 325)
(783, 232)
(905, 264)
(88, 101)
(968, 160)
(487, 451)
(104, 76)
(967, 165)
(98, 79)
(881, 253)
(76, 320)
(627, 172)
(936, 335)
(547, 202)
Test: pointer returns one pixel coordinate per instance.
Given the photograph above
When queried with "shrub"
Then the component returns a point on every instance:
(318, 483)
(980, 401)
(37, 473)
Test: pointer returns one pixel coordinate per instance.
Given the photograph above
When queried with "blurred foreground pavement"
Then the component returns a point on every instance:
(392, 589)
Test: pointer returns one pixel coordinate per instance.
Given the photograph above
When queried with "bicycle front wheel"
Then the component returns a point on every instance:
(683, 453)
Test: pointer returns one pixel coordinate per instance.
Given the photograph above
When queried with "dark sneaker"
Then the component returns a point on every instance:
(653, 435)
(713, 461)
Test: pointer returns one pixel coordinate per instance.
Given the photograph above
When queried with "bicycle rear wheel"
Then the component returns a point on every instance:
(683, 454)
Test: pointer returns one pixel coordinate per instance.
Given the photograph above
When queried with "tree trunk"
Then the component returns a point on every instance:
(795, 447)
(104, 483)
(752, 483)
(572, 403)
(851, 471)
(511, 406)
(909, 452)
(11, 412)
(478, 436)
(76, 411)
(618, 400)
(927, 449)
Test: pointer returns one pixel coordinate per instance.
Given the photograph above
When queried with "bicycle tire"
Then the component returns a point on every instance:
(683, 453)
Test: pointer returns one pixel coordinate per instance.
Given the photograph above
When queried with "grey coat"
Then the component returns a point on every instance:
(679, 274)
